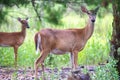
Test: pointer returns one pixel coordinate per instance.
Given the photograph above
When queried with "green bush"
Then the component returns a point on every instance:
(106, 72)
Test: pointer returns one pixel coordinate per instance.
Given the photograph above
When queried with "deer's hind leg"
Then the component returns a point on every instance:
(40, 61)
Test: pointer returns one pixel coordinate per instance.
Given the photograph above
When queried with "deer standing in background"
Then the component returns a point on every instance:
(61, 41)
(14, 39)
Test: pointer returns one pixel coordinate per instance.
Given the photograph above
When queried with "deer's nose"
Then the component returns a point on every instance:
(93, 20)
(27, 26)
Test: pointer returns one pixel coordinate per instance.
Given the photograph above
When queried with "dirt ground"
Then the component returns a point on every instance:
(28, 73)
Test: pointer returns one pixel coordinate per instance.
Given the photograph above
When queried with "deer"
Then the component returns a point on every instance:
(59, 42)
(14, 39)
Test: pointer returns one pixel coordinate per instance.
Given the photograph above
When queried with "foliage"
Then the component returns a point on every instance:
(116, 2)
(95, 2)
(54, 14)
(2, 16)
(107, 71)
(53, 8)
(9, 4)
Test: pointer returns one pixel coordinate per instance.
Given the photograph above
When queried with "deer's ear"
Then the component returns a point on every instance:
(97, 8)
(84, 9)
(19, 19)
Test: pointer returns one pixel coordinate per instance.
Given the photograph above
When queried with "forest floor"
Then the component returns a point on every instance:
(7, 73)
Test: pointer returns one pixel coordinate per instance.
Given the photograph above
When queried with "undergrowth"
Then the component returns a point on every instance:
(106, 72)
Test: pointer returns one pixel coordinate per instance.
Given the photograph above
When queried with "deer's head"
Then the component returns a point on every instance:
(90, 13)
(24, 22)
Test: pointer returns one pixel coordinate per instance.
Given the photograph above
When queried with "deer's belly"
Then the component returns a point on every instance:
(4, 45)
(58, 52)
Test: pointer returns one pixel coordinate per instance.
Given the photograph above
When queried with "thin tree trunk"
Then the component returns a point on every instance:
(35, 9)
(115, 41)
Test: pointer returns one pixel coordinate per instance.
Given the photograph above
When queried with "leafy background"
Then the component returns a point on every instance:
(58, 15)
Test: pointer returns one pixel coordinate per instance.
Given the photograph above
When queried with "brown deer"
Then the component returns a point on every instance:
(62, 41)
(14, 39)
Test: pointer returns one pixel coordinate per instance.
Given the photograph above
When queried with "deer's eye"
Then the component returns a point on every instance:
(95, 13)
(88, 12)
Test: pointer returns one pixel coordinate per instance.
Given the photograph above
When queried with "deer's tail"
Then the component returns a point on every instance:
(37, 42)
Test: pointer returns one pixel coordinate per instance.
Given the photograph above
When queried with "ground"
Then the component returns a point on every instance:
(7, 73)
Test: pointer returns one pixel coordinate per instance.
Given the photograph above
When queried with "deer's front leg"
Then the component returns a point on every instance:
(15, 53)
(72, 59)
(75, 59)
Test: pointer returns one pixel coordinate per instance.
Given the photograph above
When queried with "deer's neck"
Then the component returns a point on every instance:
(23, 31)
(89, 29)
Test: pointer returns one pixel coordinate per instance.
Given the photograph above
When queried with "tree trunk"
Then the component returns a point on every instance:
(115, 41)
